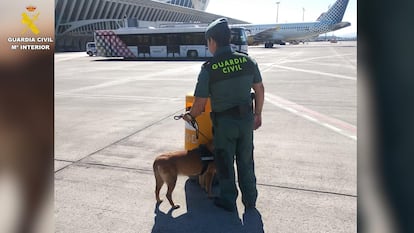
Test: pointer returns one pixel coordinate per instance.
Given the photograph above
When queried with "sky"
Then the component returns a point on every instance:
(290, 11)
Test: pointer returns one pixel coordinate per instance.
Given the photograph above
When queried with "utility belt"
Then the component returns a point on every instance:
(237, 111)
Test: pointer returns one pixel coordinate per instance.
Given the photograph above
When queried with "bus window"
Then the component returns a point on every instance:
(173, 39)
(128, 40)
(159, 40)
(143, 39)
(196, 38)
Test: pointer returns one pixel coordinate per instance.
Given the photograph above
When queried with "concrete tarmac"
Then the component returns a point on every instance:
(112, 118)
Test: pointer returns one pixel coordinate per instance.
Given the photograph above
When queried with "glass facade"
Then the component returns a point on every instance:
(195, 4)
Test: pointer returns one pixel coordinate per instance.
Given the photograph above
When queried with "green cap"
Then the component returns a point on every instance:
(217, 27)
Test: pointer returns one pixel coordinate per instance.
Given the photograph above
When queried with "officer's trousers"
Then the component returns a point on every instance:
(233, 139)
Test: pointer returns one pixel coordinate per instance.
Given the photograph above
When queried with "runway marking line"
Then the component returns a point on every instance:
(315, 72)
(333, 124)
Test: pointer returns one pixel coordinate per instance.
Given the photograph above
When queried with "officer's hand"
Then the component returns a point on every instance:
(187, 117)
(257, 121)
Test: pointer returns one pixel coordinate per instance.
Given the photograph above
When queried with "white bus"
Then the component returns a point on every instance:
(167, 42)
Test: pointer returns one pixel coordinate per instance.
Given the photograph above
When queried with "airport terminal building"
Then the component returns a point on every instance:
(76, 20)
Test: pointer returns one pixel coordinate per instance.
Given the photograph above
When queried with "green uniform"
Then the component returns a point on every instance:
(227, 79)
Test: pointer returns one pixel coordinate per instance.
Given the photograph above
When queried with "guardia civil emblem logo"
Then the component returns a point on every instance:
(29, 18)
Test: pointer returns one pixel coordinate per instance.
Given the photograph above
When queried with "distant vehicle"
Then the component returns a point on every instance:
(90, 48)
(163, 42)
(270, 34)
(333, 40)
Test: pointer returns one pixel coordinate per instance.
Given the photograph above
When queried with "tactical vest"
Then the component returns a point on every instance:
(229, 65)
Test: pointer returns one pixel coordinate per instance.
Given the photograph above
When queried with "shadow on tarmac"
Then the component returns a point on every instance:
(203, 217)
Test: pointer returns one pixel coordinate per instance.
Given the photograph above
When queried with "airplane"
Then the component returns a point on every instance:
(294, 33)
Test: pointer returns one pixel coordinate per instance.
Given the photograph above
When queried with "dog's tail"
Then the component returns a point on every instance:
(158, 181)
(156, 172)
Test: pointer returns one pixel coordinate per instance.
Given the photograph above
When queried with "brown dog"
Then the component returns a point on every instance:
(188, 163)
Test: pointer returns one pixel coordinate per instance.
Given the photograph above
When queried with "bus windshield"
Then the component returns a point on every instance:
(238, 39)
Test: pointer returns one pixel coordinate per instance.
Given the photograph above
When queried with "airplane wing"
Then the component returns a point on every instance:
(266, 35)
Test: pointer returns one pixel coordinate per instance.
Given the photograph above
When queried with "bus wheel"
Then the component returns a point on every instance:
(90, 53)
(192, 53)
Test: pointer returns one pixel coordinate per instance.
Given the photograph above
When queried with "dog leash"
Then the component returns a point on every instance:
(194, 124)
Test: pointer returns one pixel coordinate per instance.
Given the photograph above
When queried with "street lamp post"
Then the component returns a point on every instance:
(303, 14)
(277, 12)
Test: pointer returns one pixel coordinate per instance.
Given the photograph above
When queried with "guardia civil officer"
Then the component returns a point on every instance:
(227, 79)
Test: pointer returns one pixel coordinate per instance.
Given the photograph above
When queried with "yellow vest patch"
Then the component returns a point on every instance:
(229, 65)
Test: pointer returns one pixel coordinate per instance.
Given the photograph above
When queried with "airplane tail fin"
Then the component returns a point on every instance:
(335, 13)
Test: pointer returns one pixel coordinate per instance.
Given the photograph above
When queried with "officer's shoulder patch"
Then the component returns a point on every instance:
(206, 64)
(241, 53)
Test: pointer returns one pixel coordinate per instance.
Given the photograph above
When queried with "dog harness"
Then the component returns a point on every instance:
(206, 157)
